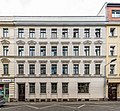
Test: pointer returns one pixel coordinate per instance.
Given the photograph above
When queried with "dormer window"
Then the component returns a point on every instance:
(115, 13)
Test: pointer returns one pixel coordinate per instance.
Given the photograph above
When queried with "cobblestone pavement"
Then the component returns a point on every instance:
(62, 106)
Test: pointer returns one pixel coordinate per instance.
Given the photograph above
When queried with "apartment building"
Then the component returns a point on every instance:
(113, 51)
(52, 58)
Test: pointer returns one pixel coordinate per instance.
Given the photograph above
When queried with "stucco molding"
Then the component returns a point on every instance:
(31, 42)
(43, 43)
(76, 61)
(5, 60)
(31, 61)
(5, 42)
(54, 61)
(43, 61)
(20, 42)
(54, 43)
(87, 42)
(20, 61)
(87, 61)
(98, 42)
(98, 61)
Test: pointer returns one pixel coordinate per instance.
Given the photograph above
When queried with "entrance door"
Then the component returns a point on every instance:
(21, 92)
(112, 92)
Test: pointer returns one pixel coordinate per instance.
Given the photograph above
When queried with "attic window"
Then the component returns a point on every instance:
(116, 13)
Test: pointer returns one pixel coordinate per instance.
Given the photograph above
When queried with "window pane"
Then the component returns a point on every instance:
(31, 87)
(53, 87)
(42, 87)
(83, 87)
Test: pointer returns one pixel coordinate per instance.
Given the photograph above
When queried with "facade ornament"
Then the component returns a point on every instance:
(87, 42)
(98, 42)
(20, 42)
(5, 60)
(31, 42)
(5, 42)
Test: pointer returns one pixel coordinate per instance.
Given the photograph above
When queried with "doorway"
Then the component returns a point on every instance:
(112, 91)
(21, 92)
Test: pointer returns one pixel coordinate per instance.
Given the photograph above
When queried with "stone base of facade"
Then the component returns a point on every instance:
(58, 100)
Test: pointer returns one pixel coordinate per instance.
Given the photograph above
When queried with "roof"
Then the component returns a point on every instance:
(113, 4)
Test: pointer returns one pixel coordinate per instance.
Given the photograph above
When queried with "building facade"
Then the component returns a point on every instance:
(52, 58)
(113, 51)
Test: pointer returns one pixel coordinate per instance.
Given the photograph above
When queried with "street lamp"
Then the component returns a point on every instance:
(105, 77)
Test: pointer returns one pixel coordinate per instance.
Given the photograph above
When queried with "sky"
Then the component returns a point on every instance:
(52, 7)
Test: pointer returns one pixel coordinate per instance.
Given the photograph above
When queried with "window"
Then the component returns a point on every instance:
(97, 69)
(43, 69)
(97, 50)
(53, 87)
(32, 51)
(32, 88)
(116, 13)
(87, 50)
(5, 32)
(20, 33)
(42, 33)
(43, 50)
(20, 68)
(54, 50)
(64, 87)
(112, 68)
(87, 33)
(86, 69)
(76, 50)
(32, 69)
(5, 69)
(83, 87)
(54, 69)
(65, 69)
(64, 33)
(112, 50)
(76, 69)
(112, 31)
(42, 87)
(31, 33)
(20, 50)
(5, 50)
(53, 33)
(97, 33)
(65, 50)
(75, 33)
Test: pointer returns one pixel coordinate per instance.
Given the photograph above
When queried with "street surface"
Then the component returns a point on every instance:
(62, 106)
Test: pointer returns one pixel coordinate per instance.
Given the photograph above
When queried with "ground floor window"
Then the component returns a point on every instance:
(31, 88)
(53, 87)
(42, 87)
(83, 87)
(64, 87)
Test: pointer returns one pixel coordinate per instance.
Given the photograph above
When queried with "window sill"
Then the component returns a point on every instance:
(112, 55)
(5, 37)
(5, 74)
(65, 93)
(42, 38)
(31, 93)
(20, 38)
(31, 38)
(112, 74)
(84, 93)
(43, 94)
(21, 75)
(113, 36)
(53, 38)
(98, 38)
(54, 94)
(76, 38)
